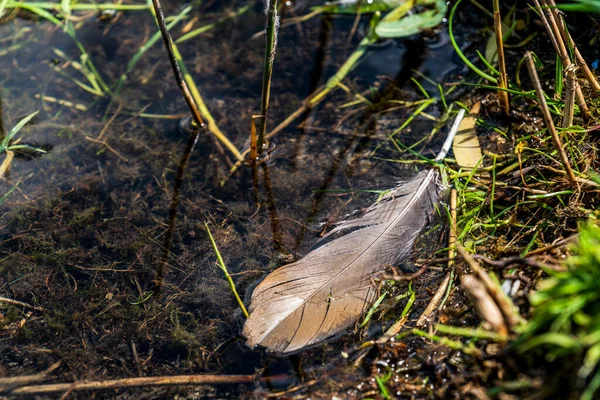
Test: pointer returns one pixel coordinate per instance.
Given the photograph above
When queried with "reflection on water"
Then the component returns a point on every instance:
(119, 202)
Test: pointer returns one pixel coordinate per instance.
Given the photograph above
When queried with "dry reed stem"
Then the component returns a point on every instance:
(435, 300)
(506, 306)
(20, 304)
(503, 79)
(548, 117)
(570, 87)
(6, 164)
(484, 303)
(437, 297)
(135, 382)
(578, 57)
(7, 384)
(561, 49)
(453, 231)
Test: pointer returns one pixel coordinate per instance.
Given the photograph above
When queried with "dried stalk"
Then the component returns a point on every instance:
(437, 297)
(484, 303)
(503, 79)
(435, 300)
(453, 231)
(20, 303)
(548, 117)
(511, 316)
(568, 111)
(578, 57)
(561, 49)
(138, 382)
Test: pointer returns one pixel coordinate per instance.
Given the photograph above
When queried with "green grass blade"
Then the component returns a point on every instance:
(460, 53)
(16, 129)
(208, 27)
(3, 198)
(224, 269)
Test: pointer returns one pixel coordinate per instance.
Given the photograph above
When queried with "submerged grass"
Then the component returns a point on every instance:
(223, 267)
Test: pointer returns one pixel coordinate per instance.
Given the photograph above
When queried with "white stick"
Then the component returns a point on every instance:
(448, 143)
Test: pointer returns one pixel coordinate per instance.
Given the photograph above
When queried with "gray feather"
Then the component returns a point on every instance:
(320, 295)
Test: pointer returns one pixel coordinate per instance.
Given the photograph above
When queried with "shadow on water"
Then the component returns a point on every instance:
(121, 201)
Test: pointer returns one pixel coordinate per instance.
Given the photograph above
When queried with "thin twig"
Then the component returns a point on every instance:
(142, 381)
(109, 147)
(560, 243)
(435, 300)
(11, 382)
(21, 304)
(403, 278)
(503, 79)
(548, 117)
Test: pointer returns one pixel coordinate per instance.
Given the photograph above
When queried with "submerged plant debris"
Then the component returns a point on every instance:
(107, 271)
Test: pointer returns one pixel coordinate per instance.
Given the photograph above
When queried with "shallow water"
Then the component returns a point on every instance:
(91, 222)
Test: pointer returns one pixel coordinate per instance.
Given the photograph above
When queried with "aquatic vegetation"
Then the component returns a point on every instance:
(566, 320)
(108, 265)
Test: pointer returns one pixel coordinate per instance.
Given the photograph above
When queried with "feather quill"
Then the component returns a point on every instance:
(326, 291)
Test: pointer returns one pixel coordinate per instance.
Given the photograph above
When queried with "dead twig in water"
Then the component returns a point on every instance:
(21, 304)
(7, 384)
(105, 144)
(548, 117)
(142, 382)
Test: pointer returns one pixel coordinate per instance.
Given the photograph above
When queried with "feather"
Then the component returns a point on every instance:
(326, 291)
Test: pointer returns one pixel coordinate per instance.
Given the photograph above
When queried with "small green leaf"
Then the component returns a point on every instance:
(412, 24)
(16, 129)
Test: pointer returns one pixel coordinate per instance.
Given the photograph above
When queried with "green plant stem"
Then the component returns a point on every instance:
(79, 7)
(317, 96)
(470, 332)
(208, 27)
(185, 82)
(270, 47)
(459, 52)
(224, 269)
(160, 19)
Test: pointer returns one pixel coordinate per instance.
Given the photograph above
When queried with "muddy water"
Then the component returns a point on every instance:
(91, 222)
